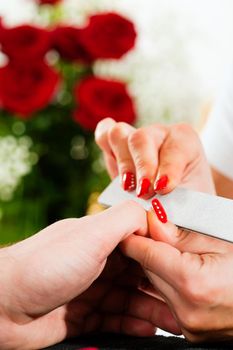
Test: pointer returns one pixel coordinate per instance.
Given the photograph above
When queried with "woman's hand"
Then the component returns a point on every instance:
(194, 275)
(60, 283)
(154, 158)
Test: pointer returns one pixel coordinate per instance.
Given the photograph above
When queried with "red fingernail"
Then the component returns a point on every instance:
(144, 186)
(159, 210)
(128, 181)
(161, 183)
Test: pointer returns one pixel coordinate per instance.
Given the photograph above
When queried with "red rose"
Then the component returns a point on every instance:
(109, 35)
(24, 89)
(24, 42)
(99, 98)
(66, 40)
(50, 2)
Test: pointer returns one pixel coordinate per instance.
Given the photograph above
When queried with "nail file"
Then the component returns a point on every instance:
(207, 214)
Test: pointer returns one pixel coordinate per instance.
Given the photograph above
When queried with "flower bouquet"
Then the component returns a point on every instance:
(51, 102)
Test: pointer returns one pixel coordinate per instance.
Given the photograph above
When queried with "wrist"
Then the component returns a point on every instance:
(5, 272)
(8, 326)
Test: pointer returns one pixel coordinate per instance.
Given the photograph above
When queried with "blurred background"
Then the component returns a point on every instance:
(52, 92)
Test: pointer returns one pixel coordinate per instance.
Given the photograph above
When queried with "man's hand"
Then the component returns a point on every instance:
(194, 275)
(61, 283)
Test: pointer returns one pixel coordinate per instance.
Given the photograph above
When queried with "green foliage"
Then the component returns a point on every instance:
(67, 165)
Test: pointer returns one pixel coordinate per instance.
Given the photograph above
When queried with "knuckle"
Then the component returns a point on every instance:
(182, 236)
(137, 138)
(101, 128)
(135, 210)
(185, 129)
(184, 141)
(186, 132)
(141, 164)
(196, 287)
(118, 133)
(148, 257)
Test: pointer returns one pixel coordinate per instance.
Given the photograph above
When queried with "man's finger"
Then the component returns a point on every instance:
(114, 225)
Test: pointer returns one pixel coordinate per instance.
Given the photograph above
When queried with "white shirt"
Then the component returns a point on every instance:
(217, 136)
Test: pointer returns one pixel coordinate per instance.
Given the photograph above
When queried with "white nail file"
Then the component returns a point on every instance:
(207, 214)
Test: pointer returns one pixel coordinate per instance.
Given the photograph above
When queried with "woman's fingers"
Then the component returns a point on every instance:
(157, 257)
(184, 240)
(112, 138)
(144, 145)
(152, 159)
(111, 165)
(101, 134)
(118, 140)
(101, 138)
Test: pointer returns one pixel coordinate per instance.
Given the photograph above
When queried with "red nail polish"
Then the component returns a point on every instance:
(128, 181)
(161, 183)
(159, 210)
(144, 186)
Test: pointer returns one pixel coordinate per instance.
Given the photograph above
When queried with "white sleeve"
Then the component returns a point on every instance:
(217, 136)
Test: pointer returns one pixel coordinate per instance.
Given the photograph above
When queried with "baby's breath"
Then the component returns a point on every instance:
(15, 162)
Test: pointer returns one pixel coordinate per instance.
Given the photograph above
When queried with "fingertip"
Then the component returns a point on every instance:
(130, 208)
(145, 188)
(171, 185)
(128, 181)
(159, 210)
(161, 182)
(101, 130)
(104, 124)
(154, 225)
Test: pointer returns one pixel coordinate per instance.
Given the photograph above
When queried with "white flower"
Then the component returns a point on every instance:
(15, 162)
(159, 72)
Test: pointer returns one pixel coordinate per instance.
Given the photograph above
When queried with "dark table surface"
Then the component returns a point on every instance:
(119, 342)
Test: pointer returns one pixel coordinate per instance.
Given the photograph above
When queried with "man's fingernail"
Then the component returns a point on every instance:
(161, 183)
(128, 181)
(159, 210)
(144, 187)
